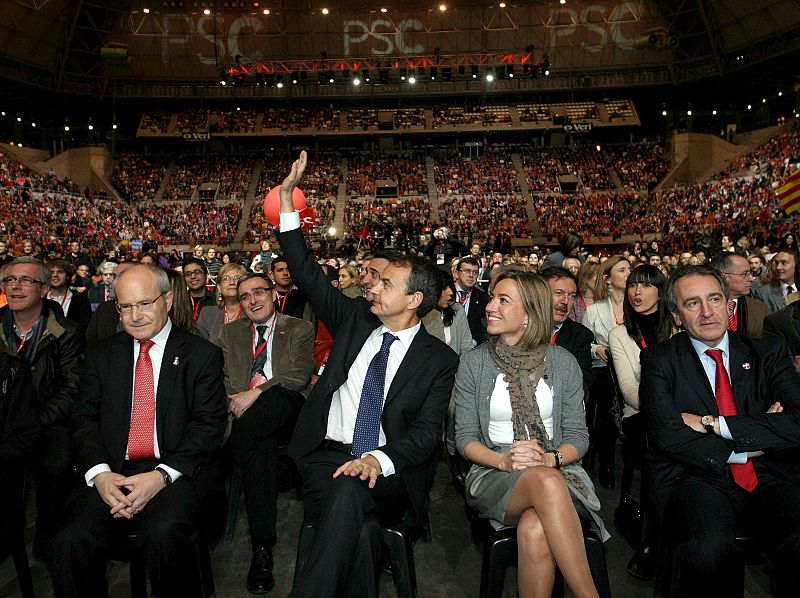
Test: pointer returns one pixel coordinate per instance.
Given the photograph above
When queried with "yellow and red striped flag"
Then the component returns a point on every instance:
(789, 193)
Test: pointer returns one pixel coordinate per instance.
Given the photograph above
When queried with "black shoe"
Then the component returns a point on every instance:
(643, 564)
(259, 578)
(607, 477)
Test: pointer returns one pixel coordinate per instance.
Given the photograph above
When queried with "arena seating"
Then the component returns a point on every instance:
(137, 177)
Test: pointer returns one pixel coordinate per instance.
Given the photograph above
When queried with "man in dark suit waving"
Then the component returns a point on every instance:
(374, 417)
(724, 412)
(144, 434)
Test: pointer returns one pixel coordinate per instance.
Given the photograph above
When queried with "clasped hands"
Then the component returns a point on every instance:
(525, 454)
(140, 488)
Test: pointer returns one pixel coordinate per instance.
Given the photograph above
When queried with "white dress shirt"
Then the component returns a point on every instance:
(344, 403)
(156, 357)
(710, 368)
(270, 324)
(64, 301)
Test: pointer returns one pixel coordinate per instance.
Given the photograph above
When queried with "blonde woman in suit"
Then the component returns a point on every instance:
(601, 317)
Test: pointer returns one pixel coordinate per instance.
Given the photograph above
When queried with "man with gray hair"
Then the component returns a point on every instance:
(51, 344)
(723, 411)
(145, 436)
(104, 291)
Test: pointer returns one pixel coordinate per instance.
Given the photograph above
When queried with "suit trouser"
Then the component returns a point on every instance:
(253, 445)
(166, 532)
(54, 480)
(600, 418)
(702, 517)
(346, 515)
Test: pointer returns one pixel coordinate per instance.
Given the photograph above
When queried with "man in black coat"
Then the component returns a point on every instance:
(374, 417)
(575, 338)
(724, 415)
(51, 345)
(145, 445)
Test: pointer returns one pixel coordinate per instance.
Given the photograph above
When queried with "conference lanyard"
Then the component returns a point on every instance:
(465, 299)
(238, 313)
(195, 307)
(281, 301)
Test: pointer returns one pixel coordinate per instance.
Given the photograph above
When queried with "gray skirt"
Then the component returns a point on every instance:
(489, 491)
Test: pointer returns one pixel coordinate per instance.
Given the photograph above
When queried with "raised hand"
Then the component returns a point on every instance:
(291, 181)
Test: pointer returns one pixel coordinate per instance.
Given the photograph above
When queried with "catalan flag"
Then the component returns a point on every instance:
(789, 193)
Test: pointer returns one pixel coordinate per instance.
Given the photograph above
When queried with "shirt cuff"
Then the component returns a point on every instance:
(290, 221)
(737, 458)
(173, 473)
(92, 473)
(387, 467)
(724, 431)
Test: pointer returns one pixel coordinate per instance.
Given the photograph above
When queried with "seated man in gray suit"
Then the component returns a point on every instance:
(773, 294)
(269, 359)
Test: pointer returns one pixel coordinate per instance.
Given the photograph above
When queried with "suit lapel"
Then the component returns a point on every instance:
(278, 342)
(170, 368)
(741, 367)
(694, 373)
(410, 364)
(124, 358)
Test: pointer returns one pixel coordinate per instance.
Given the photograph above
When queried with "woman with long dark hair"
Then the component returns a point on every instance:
(647, 322)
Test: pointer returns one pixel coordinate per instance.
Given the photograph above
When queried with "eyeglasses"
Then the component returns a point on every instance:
(469, 272)
(744, 275)
(229, 278)
(193, 273)
(24, 281)
(254, 294)
(143, 306)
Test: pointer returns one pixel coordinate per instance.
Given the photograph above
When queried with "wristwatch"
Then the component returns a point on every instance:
(559, 458)
(166, 478)
(708, 423)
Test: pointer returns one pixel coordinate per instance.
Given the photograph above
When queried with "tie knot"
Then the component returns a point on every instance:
(145, 345)
(388, 339)
(715, 354)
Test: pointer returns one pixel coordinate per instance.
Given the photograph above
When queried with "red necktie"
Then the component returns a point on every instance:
(733, 317)
(743, 473)
(140, 436)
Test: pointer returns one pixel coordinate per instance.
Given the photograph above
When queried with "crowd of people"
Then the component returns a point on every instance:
(229, 176)
(137, 177)
(491, 172)
(641, 165)
(155, 122)
(301, 117)
(234, 121)
(392, 222)
(480, 214)
(408, 171)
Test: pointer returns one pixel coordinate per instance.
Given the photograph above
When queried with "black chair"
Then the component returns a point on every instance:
(398, 540)
(16, 543)
(500, 551)
(126, 551)
(667, 581)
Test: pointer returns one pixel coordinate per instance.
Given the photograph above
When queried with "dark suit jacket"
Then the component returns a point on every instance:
(673, 381)
(191, 404)
(417, 399)
(96, 296)
(476, 317)
(104, 323)
(784, 324)
(577, 339)
(80, 311)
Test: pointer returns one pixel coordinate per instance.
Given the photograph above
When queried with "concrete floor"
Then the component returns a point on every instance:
(449, 566)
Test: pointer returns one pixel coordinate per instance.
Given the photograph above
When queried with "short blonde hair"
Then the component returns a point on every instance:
(537, 300)
(224, 272)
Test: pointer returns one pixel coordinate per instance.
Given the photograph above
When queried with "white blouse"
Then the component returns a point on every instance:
(501, 428)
